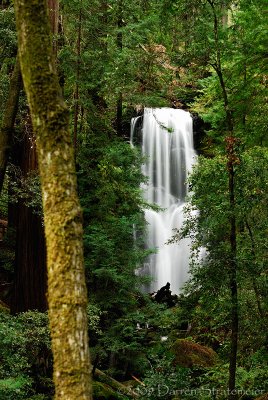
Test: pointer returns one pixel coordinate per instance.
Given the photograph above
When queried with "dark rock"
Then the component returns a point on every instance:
(164, 296)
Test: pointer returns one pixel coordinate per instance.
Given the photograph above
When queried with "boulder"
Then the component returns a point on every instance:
(189, 354)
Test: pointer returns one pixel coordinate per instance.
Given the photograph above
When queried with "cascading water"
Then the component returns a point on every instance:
(167, 143)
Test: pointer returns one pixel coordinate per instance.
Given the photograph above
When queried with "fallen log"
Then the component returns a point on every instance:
(119, 387)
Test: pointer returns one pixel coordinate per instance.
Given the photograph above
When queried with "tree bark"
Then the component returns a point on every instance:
(67, 297)
(53, 9)
(9, 119)
(30, 273)
(30, 277)
(76, 90)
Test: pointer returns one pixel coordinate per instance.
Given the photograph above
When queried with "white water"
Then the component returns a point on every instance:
(167, 141)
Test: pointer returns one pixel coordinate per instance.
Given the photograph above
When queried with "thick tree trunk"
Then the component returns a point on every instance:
(29, 289)
(76, 90)
(30, 279)
(67, 296)
(53, 9)
(9, 119)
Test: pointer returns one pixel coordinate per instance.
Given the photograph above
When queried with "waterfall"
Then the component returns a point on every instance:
(167, 144)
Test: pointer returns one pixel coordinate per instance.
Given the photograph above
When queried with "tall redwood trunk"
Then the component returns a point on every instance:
(54, 13)
(30, 280)
(76, 90)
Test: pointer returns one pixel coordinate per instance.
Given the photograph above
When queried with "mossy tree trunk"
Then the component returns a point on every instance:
(67, 298)
(30, 272)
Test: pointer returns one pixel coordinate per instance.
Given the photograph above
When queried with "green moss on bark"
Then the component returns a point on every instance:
(67, 297)
(189, 354)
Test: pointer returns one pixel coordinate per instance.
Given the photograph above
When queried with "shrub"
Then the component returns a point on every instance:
(26, 360)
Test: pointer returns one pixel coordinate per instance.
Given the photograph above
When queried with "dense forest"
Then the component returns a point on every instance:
(73, 75)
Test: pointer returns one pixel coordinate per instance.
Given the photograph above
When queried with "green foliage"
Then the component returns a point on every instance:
(236, 52)
(111, 207)
(208, 216)
(26, 360)
(169, 53)
(210, 197)
(250, 382)
(15, 388)
(25, 188)
(162, 379)
(133, 66)
(101, 391)
(8, 48)
(8, 42)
